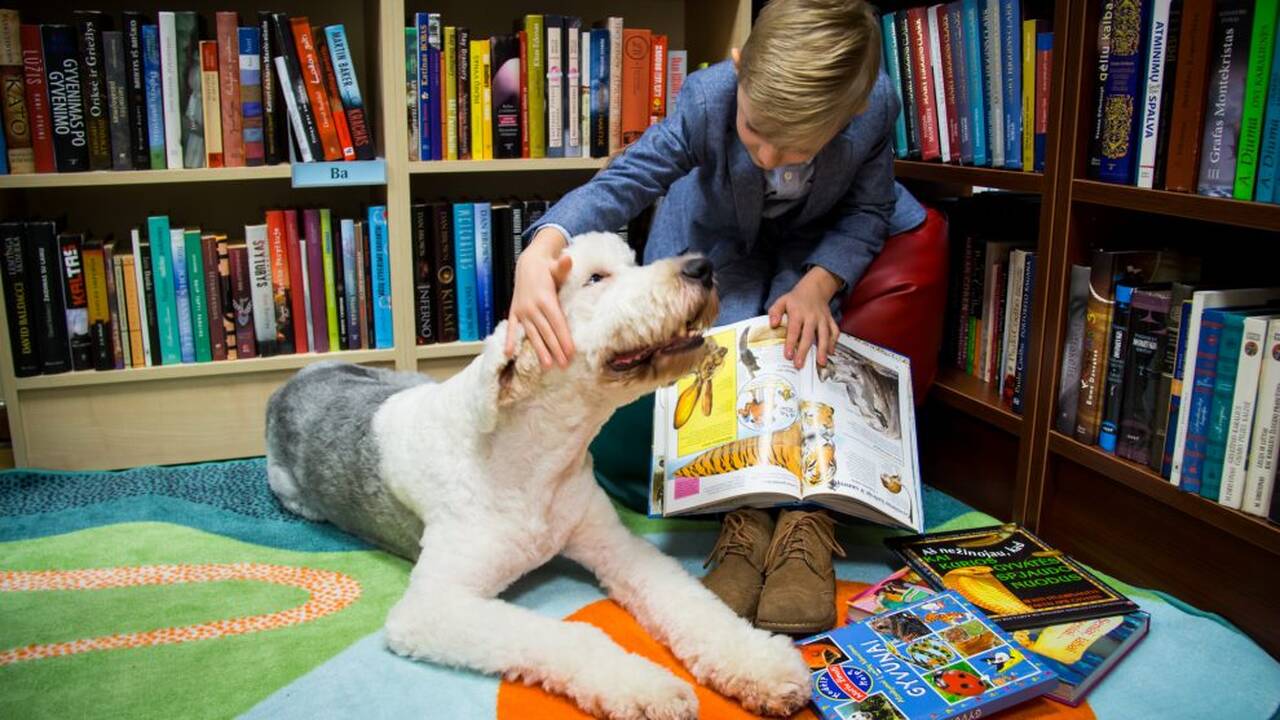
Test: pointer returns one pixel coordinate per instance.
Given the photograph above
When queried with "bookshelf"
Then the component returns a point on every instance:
(1118, 516)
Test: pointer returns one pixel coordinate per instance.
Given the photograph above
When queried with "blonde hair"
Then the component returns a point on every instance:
(808, 67)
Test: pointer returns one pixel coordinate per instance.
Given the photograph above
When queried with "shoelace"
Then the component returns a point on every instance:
(734, 539)
(793, 545)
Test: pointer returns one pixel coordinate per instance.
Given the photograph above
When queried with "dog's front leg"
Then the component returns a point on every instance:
(764, 672)
(449, 615)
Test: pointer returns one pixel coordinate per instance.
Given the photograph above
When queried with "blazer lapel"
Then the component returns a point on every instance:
(820, 198)
(747, 186)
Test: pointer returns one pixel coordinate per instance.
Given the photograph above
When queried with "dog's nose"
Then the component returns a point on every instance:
(698, 269)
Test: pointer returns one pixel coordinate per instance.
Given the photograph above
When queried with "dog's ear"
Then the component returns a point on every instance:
(507, 379)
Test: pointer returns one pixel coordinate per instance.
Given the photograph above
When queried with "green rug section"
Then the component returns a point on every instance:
(204, 679)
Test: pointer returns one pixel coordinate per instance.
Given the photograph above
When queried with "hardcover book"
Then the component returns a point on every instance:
(211, 104)
(250, 46)
(294, 89)
(380, 272)
(349, 89)
(274, 136)
(938, 658)
(464, 253)
(154, 92)
(117, 100)
(147, 329)
(635, 84)
(1122, 101)
(66, 111)
(484, 267)
(446, 292)
(228, 34)
(1225, 100)
(535, 81)
(76, 298)
(51, 318)
(1257, 77)
(19, 299)
(906, 70)
(1148, 337)
(261, 294)
(1081, 653)
(1190, 81)
(93, 86)
(895, 592)
(1016, 579)
(335, 99)
(309, 65)
(187, 27)
(17, 122)
(36, 94)
(102, 351)
(213, 297)
(281, 297)
(197, 284)
(182, 293)
(140, 152)
(424, 322)
(170, 99)
(349, 271)
(1118, 339)
(242, 300)
(505, 66)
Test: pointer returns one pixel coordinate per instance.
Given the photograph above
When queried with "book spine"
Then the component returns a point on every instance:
(1101, 73)
(484, 267)
(1094, 352)
(1011, 82)
(446, 300)
(242, 300)
(515, 245)
(51, 319)
(677, 68)
(295, 285)
(155, 91)
(17, 122)
(505, 85)
(63, 70)
(1176, 392)
(117, 101)
(435, 43)
(1240, 417)
(616, 61)
(947, 40)
(339, 285)
(1122, 101)
(213, 297)
(93, 87)
(993, 55)
(890, 49)
(19, 296)
(658, 71)
(462, 67)
(975, 79)
(305, 318)
(362, 284)
(165, 289)
(584, 92)
(226, 291)
(146, 307)
(938, 83)
(1006, 365)
(196, 283)
(309, 64)
(423, 83)
(1264, 443)
(1028, 80)
(349, 272)
(411, 90)
(76, 300)
(190, 95)
(182, 294)
(449, 80)
(1190, 83)
(35, 87)
(1224, 387)
(228, 36)
(1117, 351)
(476, 99)
(1168, 360)
(329, 320)
(295, 89)
(464, 253)
(211, 106)
(340, 122)
(119, 315)
(1072, 351)
(569, 121)
(1152, 87)
(278, 262)
(1225, 100)
(315, 281)
(274, 150)
(906, 70)
(380, 272)
(523, 39)
(424, 322)
(139, 143)
(600, 85)
(1148, 337)
(170, 99)
(926, 114)
(133, 305)
(101, 351)
(536, 80)
(264, 313)
(1269, 149)
(1201, 401)
(1024, 333)
(251, 125)
(1044, 78)
(486, 99)
(148, 292)
(1257, 77)
(959, 64)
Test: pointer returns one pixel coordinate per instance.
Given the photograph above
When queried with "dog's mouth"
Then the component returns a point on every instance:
(690, 338)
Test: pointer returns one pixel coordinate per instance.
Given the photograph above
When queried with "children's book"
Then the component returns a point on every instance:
(938, 658)
(748, 429)
(892, 593)
(1017, 579)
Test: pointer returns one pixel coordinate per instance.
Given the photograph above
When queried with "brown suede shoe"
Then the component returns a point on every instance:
(739, 555)
(799, 596)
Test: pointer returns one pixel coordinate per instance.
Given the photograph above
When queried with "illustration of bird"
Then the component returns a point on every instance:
(1001, 661)
(981, 587)
(748, 358)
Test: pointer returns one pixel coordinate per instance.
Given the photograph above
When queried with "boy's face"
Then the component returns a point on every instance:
(765, 154)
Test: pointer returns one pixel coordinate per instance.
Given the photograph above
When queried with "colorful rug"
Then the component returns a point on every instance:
(188, 592)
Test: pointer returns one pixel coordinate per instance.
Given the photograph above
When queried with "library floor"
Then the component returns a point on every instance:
(145, 626)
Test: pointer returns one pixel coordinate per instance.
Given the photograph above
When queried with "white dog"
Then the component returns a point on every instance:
(486, 476)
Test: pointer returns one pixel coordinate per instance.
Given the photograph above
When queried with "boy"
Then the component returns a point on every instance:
(778, 167)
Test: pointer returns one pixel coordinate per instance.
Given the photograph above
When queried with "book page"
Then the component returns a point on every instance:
(732, 426)
(859, 432)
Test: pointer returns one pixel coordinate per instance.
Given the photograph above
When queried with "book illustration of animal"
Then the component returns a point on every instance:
(971, 638)
(747, 357)
(960, 683)
(818, 419)
(875, 707)
(903, 626)
(822, 653)
(752, 411)
(891, 482)
(763, 334)
(950, 618)
(980, 586)
(929, 653)
(871, 388)
(819, 464)
(1001, 661)
(701, 386)
(781, 449)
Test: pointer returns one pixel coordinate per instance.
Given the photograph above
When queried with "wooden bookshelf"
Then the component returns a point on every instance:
(104, 178)
(445, 167)
(1236, 213)
(965, 175)
(968, 394)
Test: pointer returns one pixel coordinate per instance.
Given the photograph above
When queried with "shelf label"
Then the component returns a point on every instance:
(340, 174)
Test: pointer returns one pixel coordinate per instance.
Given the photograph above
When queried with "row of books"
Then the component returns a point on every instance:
(982, 629)
(302, 281)
(1165, 371)
(85, 96)
(974, 79)
(551, 88)
(1187, 97)
(989, 296)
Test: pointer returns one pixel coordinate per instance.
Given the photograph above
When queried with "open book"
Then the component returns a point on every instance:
(747, 429)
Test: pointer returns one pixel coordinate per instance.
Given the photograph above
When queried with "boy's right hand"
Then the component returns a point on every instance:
(535, 299)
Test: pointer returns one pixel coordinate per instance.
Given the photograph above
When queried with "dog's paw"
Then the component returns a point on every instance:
(763, 672)
(640, 690)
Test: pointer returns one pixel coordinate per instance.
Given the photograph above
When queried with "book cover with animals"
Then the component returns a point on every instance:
(747, 428)
(892, 593)
(937, 658)
(1018, 580)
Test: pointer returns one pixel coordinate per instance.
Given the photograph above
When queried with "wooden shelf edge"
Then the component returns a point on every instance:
(85, 378)
(1263, 216)
(966, 393)
(443, 167)
(448, 350)
(1244, 526)
(969, 175)
(109, 178)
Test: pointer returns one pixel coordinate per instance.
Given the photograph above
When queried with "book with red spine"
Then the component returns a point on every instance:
(636, 69)
(37, 97)
(242, 300)
(213, 293)
(335, 100)
(523, 39)
(920, 54)
(297, 297)
(658, 84)
(277, 236)
(229, 82)
(315, 279)
(309, 64)
(946, 36)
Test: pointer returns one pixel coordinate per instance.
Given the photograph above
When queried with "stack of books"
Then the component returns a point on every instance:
(301, 281)
(1165, 371)
(974, 79)
(1188, 98)
(550, 88)
(165, 93)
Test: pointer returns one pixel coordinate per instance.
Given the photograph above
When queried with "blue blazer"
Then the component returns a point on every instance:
(714, 193)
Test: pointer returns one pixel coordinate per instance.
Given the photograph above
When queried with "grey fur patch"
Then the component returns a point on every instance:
(319, 431)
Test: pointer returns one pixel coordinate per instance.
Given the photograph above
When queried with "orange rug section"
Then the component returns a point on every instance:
(519, 702)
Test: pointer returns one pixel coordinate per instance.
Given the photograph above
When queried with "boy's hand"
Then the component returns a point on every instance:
(535, 300)
(808, 312)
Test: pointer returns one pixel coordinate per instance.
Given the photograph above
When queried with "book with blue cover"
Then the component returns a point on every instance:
(890, 47)
(937, 658)
(1010, 57)
(182, 293)
(155, 108)
(484, 269)
(974, 80)
(166, 303)
(380, 270)
(464, 253)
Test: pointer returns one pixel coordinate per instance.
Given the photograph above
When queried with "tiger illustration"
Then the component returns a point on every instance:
(819, 464)
(781, 449)
(818, 420)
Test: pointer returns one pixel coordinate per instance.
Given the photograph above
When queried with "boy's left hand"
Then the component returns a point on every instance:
(809, 319)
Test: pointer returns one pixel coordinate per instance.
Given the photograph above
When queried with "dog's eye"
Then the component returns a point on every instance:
(595, 278)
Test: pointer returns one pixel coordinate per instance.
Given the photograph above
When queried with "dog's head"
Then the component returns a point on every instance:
(634, 328)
